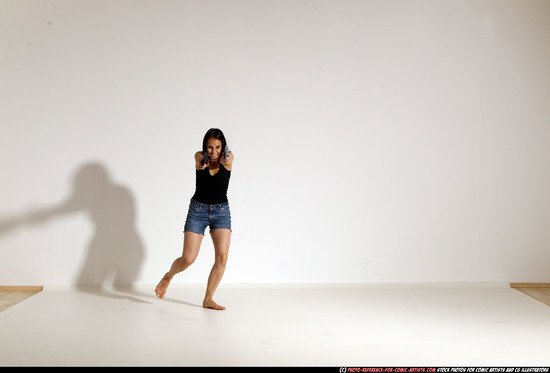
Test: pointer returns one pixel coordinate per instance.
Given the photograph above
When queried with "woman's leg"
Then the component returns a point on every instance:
(221, 239)
(191, 245)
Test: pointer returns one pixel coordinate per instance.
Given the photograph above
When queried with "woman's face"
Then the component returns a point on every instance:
(214, 147)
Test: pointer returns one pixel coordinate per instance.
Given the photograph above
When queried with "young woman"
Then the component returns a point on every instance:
(209, 207)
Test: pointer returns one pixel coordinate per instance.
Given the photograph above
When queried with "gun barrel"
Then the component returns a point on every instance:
(205, 158)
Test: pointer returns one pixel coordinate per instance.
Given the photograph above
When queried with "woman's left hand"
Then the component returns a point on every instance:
(228, 161)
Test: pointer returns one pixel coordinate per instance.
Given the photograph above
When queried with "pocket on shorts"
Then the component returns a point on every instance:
(194, 206)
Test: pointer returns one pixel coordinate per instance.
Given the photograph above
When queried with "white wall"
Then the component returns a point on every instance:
(375, 141)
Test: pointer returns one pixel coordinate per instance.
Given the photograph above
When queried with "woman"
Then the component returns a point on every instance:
(209, 207)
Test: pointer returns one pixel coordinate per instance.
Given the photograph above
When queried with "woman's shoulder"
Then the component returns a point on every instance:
(226, 167)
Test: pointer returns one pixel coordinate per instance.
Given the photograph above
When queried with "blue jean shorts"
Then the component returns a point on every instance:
(201, 215)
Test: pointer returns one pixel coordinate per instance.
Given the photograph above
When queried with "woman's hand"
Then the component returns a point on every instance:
(227, 162)
(198, 158)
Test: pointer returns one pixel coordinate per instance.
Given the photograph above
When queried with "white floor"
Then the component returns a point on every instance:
(285, 325)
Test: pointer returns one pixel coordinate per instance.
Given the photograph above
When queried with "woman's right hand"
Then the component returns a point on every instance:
(198, 157)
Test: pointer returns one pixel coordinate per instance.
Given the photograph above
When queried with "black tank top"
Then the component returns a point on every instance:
(211, 190)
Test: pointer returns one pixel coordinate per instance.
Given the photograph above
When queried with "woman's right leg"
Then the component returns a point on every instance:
(191, 245)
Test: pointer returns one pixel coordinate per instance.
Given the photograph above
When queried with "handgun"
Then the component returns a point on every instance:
(205, 158)
(227, 153)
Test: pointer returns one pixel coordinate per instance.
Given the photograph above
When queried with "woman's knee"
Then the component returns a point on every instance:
(221, 259)
(187, 260)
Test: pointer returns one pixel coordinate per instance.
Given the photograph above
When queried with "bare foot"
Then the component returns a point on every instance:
(162, 286)
(209, 303)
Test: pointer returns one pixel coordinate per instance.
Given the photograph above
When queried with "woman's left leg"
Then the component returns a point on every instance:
(221, 239)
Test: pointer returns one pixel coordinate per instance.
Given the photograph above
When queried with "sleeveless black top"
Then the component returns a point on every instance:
(211, 190)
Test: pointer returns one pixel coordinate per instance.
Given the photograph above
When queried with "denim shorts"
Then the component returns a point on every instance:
(201, 216)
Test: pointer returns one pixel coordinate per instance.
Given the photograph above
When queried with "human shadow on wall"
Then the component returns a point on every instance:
(115, 251)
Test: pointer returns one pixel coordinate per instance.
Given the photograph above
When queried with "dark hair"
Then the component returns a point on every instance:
(213, 133)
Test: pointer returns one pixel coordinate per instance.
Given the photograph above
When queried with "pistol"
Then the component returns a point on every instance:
(227, 153)
(205, 158)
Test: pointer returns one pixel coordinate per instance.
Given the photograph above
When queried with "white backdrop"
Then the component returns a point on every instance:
(374, 141)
